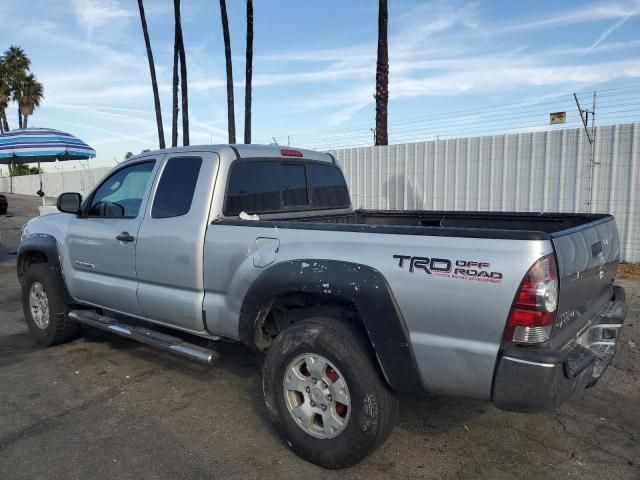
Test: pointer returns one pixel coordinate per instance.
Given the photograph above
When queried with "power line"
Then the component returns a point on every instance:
(615, 102)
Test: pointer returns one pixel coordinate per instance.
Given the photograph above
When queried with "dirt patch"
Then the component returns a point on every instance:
(629, 271)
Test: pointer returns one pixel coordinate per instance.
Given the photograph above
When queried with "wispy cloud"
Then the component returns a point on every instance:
(437, 49)
(93, 14)
(600, 48)
(507, 75)
(589, 12)
(440, 49)
(604, 35)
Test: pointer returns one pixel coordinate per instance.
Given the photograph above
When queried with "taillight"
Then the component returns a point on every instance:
(533, 312)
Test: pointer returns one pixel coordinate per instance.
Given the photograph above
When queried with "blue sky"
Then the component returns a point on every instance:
(314, 66)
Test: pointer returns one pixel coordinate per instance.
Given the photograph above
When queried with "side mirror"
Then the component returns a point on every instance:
(69, 202)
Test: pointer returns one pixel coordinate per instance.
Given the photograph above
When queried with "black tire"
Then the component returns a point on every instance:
(60, 328)
(374, 407)
(3, 209)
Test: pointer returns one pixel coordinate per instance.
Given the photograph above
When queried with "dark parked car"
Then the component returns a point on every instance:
(3, 204)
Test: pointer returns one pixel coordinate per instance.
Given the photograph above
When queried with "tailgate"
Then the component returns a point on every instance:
(588, 257)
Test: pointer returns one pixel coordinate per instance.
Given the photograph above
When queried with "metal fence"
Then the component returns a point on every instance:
(545, 171)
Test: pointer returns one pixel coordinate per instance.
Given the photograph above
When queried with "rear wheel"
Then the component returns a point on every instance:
(325, 393)
(44, 307)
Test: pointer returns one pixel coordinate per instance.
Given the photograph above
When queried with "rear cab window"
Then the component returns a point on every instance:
(273, 186)
(327, 187)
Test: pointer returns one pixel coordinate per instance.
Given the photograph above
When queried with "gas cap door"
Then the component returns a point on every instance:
(265, 250)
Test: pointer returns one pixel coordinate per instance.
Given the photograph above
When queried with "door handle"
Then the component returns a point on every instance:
(84, 264)
(125, 237)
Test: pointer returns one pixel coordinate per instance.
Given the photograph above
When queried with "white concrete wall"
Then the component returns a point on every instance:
(55, 183)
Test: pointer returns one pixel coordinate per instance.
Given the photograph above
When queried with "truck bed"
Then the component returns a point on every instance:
(458, 315)
(508, 225)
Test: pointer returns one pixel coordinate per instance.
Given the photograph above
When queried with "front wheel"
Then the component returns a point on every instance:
(325, 394)
(44, 307)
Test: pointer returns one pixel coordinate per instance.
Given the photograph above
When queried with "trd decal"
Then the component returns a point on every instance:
(429, 265)
(443, 267)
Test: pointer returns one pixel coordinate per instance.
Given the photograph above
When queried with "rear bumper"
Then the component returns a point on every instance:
(531, 379)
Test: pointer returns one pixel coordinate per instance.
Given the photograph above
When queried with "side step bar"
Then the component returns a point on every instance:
(145, 335)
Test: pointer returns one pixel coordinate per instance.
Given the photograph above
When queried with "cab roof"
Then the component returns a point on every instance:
(248, 151)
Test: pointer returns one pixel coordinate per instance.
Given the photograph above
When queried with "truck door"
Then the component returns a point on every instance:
(102, 241)
(170, 249)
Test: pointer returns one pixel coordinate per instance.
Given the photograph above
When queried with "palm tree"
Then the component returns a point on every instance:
(31, 93)
(152, 69)
(4, 125)
(176, 80)
(5, 96)
(382, 76)
(16, 61)
(17, 65)
(227, 54)
(248, 73)
(183, 74)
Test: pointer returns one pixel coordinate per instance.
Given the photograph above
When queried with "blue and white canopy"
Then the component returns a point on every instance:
(31, 145)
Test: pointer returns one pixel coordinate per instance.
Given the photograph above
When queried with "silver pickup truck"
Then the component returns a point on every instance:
(260, 244)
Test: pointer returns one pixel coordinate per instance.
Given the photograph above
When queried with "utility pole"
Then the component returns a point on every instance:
(61, 170)
(591, 137)
(82, 181)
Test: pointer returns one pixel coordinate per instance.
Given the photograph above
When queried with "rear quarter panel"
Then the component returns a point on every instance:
(455, 323)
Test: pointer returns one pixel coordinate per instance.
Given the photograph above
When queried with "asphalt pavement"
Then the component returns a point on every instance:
(103, 407)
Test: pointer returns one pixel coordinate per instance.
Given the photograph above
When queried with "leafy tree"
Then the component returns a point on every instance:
(17, 64)
(5, 95)
(31, 93)
(18, 84)
(22, 169)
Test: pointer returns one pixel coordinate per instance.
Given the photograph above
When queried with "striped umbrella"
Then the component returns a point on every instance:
(31, 145)
(35, 145)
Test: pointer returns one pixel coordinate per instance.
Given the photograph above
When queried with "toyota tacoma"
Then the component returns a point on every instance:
(182, 247)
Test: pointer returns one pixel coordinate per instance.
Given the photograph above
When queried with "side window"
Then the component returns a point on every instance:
(120, 196)
(175, 190)
(327, 187)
